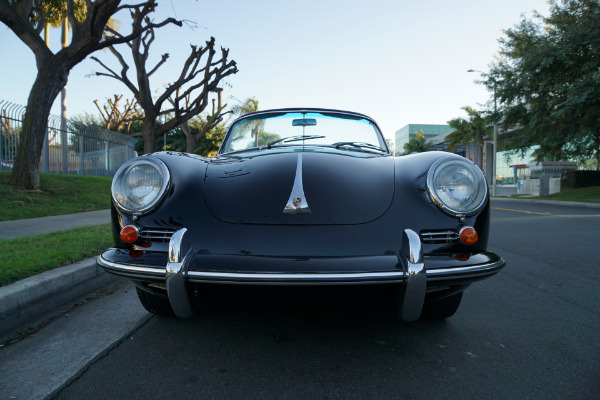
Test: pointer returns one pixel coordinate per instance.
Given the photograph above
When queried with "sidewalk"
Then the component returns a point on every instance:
(35, 226)
(30, 301)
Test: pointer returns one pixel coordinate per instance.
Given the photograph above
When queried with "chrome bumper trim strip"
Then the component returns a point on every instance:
(128, 269)
(458, 272)
(142, 272)
(293, 277)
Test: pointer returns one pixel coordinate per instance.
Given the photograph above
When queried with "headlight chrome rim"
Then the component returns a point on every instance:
(448, 209)
(149, 160)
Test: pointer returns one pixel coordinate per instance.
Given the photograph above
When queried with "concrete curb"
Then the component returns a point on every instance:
(553, 202)
(32, 300)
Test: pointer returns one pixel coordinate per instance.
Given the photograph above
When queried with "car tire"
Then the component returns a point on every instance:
(155, 303)
(442, 308)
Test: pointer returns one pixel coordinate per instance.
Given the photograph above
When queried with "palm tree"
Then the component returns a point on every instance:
(56, 16)
(417, 144)
(250, 105)
(472, 130)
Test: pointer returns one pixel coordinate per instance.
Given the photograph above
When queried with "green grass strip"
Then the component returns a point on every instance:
(59, 194)
(585, 195)
(24, 257)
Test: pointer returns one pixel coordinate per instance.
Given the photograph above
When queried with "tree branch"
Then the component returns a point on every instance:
(71, 15)
(112, 74)
(161, 62)
(24, 31)
(134, 34)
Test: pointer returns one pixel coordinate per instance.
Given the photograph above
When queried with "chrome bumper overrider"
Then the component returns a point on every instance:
(415, 277)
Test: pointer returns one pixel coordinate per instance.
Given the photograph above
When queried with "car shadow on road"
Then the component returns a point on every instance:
(283, 312)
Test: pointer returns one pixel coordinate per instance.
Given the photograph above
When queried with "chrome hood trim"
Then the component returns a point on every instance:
(297, 203)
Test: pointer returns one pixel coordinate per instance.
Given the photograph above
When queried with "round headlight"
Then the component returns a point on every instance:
(457, 186)
(140, 184)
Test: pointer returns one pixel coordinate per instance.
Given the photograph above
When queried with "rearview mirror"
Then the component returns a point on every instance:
(304, 122)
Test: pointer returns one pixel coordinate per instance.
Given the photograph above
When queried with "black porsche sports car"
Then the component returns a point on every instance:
(301, 197)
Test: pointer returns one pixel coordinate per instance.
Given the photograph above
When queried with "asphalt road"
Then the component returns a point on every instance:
(530, 332)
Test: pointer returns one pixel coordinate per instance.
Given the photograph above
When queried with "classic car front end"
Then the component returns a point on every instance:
(301, 197)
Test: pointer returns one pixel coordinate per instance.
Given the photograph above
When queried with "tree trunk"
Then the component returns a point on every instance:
(190, 140)
(149, 134)
(48, 84)
(479, 155)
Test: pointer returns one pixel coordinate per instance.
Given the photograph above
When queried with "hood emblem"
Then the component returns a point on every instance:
(297, 203)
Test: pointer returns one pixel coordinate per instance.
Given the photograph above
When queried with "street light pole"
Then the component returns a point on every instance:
(495, 145)
(495, 139)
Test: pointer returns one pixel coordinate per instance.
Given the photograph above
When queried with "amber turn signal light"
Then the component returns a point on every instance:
(468, 235)
(129, 234)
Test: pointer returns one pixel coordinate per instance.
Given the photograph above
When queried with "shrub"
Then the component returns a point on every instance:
(579, 179)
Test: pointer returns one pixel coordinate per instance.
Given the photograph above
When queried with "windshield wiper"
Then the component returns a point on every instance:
(294, 139)
(360, 145)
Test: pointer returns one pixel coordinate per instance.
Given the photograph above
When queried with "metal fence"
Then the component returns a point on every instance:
(74, 150)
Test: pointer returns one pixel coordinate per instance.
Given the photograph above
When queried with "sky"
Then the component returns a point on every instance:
(400, 62)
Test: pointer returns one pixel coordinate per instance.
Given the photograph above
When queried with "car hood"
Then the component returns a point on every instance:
(340, 187)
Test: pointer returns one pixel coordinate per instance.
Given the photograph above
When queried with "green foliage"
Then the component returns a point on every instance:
(547, 81)
(54, 11)
(417, 144)
(580, 179)
(474, 129)
(86, 120)
(58, 194)
(209, 144)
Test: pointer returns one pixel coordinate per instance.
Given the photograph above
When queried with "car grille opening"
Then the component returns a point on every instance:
(439, 236)
(156, 234)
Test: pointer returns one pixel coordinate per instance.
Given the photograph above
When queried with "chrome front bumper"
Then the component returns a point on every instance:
(413, 275)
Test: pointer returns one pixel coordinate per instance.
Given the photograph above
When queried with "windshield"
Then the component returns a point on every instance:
(304, 128)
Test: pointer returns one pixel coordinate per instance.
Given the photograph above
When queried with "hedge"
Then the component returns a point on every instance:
(580, 179)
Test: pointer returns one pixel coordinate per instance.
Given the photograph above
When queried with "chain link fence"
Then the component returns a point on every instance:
(74, 150)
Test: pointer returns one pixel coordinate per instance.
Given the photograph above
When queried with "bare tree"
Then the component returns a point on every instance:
(182, 99)
(116, 117)
(27, 22)
(202, 124)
